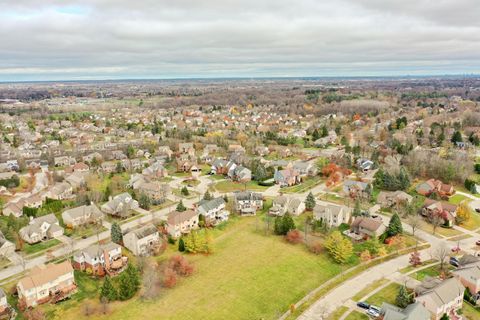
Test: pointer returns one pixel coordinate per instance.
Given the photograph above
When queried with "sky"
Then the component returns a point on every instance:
(162, 39)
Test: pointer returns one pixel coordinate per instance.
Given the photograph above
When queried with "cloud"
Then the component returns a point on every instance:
(55, 39)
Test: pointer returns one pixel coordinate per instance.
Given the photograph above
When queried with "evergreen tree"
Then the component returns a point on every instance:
(184, 191)
(116, 233)
(310, 202)
(403, 298)
(395, 226)
(324, 131)
(181, 207)
(315, 135)
(287, 224)
(456, 137)
(404, 179)
(181, 245)
(129, 283)
(108, 291)
(144, 201)
(207, 196)
(225, 198)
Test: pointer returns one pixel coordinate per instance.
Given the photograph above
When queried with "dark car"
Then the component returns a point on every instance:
(478, 242)
(363, 305)
(454, 262)
(477, 210)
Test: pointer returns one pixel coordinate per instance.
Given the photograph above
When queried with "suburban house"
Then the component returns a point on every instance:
(6, 247)
(329, 139)
(155, 190)
(368, 227)
(53, 282)
(60, 191)
(305, 168)
(333, 215)
(444, 209)
(430, 186)
(186, 148)
(156, 170)
(286, 177)
(6, 311)
(240, 174)
(213, 210)
(64, 161)
(414, 311)
(142, 241)
(469, 276)
(286, 204)
(100, 259)
(388, 199)
(82, 215)
(353, 189)
(15, 208)
(120, 205)
(247, 202)
(440, 297)
(41, 228)
(221, 166)
(364, 165)
(181, 222)
(108, 166)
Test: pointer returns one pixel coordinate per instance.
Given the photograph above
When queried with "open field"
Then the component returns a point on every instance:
(356, 315)
(260, 277)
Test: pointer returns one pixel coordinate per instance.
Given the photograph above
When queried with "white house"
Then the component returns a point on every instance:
(213, 210)
(141, 241)
(179, 223)
(333, 215)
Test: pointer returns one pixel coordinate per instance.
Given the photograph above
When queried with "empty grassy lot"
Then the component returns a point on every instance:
(249, 276)
(231, 186)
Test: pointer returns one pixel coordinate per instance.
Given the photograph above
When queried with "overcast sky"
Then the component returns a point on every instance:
(110, 39)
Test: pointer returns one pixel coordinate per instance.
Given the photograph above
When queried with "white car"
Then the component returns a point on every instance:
(374, 311)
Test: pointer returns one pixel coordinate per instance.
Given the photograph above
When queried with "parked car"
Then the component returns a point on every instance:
(456, 249)
(363, 305)
(454, 262)
(478, 242)
(374, 311)
(477, 210)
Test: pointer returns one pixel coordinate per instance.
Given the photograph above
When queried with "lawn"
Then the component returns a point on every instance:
(457, 198)
(178, 193)
(38, 247)
(440, 231)
(387, 294)
(370, 288)
(231, 186)
(84, 232)
(473, 223)
(304, 186)
(433, 271)
(470, 312)
(249, 276)
(355, 315)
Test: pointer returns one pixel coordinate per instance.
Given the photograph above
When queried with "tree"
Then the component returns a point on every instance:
(144, 201)
(403, 298)
(463, 213)
(441, 253)
(456, 137)
(415, 259)
(357, 211)
(445, 317)
(293, 237)
(116, 233)
(207, 196)
(181, 245)
(108, 291)
(414, 221)
(394, 226)
(284, 224)
(315, 135)
(310, 202)
(184, 191)
(181, 207)
(129, 283)
(339, 247)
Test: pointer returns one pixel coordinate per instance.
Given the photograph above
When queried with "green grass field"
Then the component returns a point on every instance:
(337, 314)
(41, 246)
(304, 186)
(457, 198)
(387, 294)
(249, 276)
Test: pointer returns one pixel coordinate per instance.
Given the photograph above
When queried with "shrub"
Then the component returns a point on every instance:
(169, 278)
(180, 265)
(293, 237)
(316, 247)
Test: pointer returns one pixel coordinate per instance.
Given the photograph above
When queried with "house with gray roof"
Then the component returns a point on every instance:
(414, 311)
(286, 204)
(100, 259)
(440, 297)
(182, 222)
(247, 202)
(331, 214)
(142, 241)
(41, 228)
(82, 215)
(213, 210)
(120, 205)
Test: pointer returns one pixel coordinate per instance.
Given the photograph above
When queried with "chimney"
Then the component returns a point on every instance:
(106, 258)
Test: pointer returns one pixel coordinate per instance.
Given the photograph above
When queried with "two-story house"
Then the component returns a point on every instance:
(181, 222)
(247, 202)
(142, 241)
(213, 210)
(333, 215)
(100, 259)
(41, 228)
(46, 283)
(82, 215)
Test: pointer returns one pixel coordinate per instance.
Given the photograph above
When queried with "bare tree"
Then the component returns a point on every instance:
(441, 253)
(436, 220)
(414, 221)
